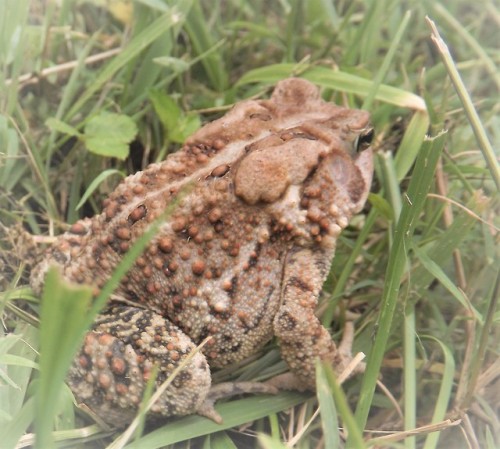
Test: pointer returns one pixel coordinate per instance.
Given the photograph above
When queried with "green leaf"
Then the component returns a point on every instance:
(177, 65)
(177, 125)
(58, 125)
(109, 134)
(95, 184)
(382, 205)
(166, 108)
(186, 126)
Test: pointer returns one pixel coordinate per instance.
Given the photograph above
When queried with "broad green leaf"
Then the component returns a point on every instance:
(109, 134)
(166, 108)
(177, 125)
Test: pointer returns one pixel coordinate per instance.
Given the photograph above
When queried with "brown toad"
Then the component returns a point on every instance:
(242, 257)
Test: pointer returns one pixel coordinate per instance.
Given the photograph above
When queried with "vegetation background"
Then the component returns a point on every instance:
(91, 91)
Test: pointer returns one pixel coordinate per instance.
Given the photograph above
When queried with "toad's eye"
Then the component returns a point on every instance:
(364, 140)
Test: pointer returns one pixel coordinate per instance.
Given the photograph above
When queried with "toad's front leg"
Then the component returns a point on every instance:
(111, 372)
(302, 337)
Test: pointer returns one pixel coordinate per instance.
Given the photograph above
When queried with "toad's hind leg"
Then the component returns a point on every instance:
(111, 372)
(302, 337)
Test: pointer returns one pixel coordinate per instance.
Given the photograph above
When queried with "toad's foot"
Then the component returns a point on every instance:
(345, 365)
(228, 389)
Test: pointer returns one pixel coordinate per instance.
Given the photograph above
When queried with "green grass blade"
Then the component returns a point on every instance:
(464, 35)
(388, 59)
(333, 79)
(201, 38)
(469, 109)
(270, 443)
(415, 199)
(477, 366)
(444, 395)
(410, 375)
(233, 413)
(348, 266)
(61, 330)
(410, 145)
(96, 183)
(353, 429)
(168, 20)
(440, 251)
(439, 274)
(18, 425)
(329, 419)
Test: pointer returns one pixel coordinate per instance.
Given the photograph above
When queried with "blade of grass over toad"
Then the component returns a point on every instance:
(415, 199)
(329, 419)
(70, 311)
(341, 283)
(382, 71)
(390, 185)
(133, 253)
(337, 80)
(61, 330)
(147, 402)
(353, 429)
(470, 111)
(173, 18)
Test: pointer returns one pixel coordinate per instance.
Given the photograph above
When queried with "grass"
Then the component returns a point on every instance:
(418, 269)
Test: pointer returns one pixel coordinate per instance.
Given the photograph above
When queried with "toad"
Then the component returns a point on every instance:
(242, 257)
